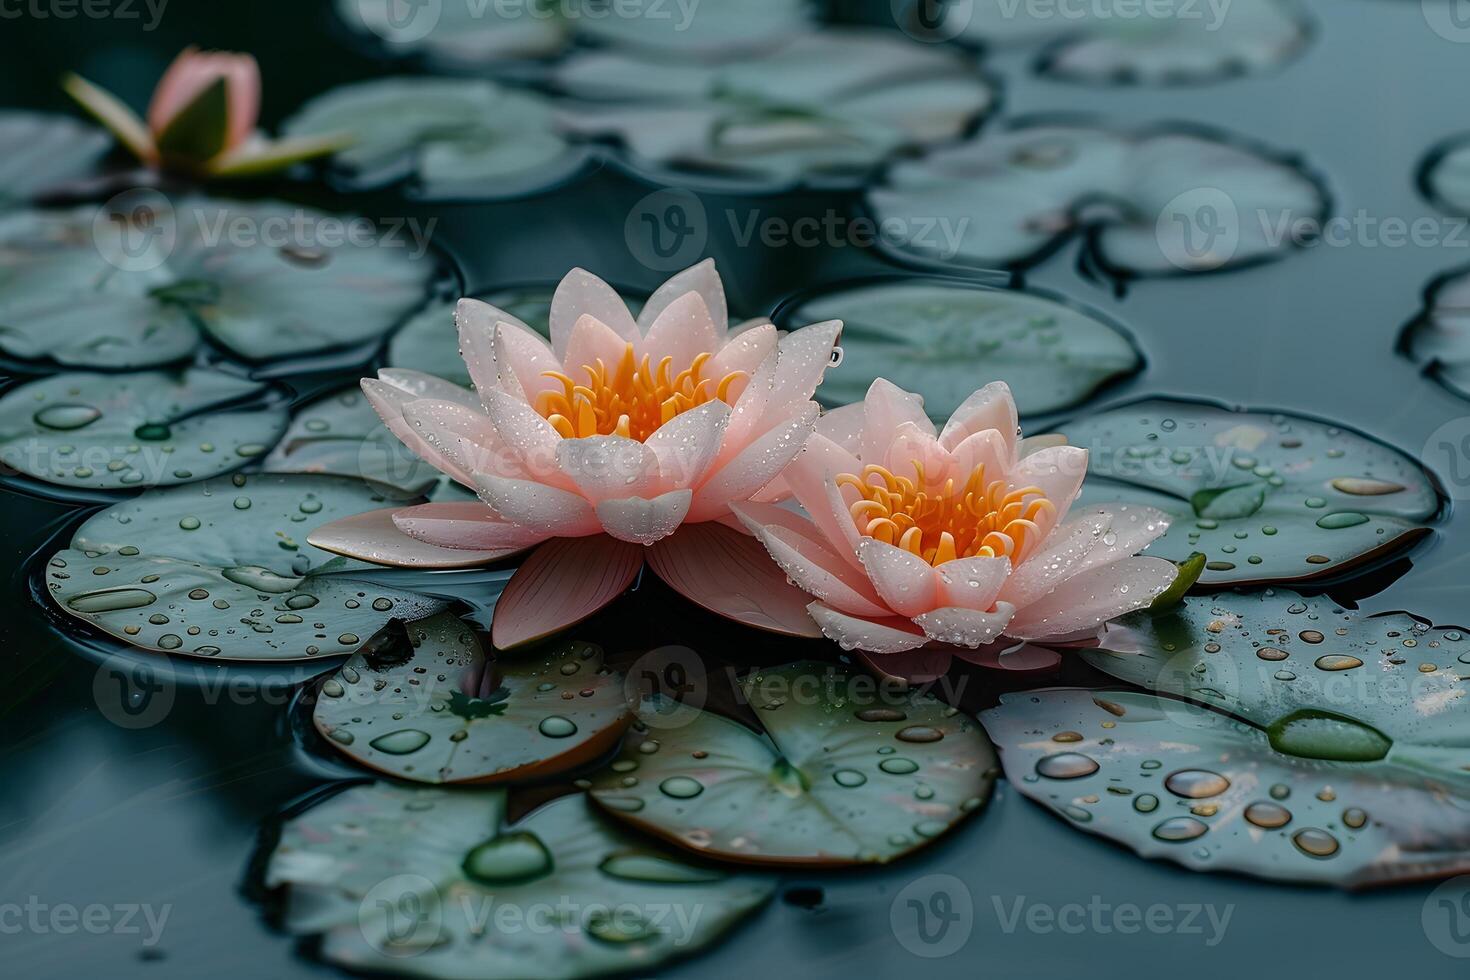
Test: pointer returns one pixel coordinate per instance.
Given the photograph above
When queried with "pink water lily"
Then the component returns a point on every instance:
(202, 119)
(621, 441)
(925, 543)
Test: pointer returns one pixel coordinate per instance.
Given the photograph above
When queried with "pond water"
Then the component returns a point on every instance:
(102, 806)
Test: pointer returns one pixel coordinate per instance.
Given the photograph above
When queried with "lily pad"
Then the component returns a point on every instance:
(935, 338)
(821, 106)
(467, 138)
(429, 707)
(429, 341)
(132, 283)
(1213, 795)
(339, 434)
(847, 772)
(1210, 201)
(1266, 497)
(222, 569)
(456, 35)
(1439, 338)
(1444, 175)
(1324, 682)
(409, 880)
(39, 151)
(145, 429)
(1164, 44)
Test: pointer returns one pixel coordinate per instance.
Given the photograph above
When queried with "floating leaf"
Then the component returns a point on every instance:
(1194, 787)
(409, 880)
(429, 341)
(222, 569)
(1267, 497)
(454, 137)
(150, 428)
(1164, 44)
(1013, 195)
(1445, 175)
(460, 36)
(847, 772)
(339, 434)
(437, 711)
(1439, 337)
(936, 338)
(1323, 682)
(39, 151)
(130, 283)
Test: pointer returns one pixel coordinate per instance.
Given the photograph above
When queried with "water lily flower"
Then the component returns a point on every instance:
(621, 441)
(202, 119)
(923, 541)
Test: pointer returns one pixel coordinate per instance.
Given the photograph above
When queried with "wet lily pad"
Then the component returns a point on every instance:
(1266, 497)
(847, 772)
(458, 36)
(339, 434)
(144, 429)
(450, 137)
(409, 880)
(1011, 196)
(222, 569)
(1324, 682)
(1162, 45)
(429, 707)
(821, 106)
(935, 338)
(1196, 788)
(39, 151)
(132, 283)
(1439, 338)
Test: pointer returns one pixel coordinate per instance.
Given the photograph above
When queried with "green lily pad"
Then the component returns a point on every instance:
(339, 434)
(1193, 787)
(132, 283)
(409, 880)
(453, 137)
(1163, 45)
(1444, 176)
(40, 151)
(1439, 337)
(1322, 681)
(427, 706)
(145, 429)
(847, 772)
(936, 338)
(1012, 196)
(1266, 497)
(459, 36)
(222, 569)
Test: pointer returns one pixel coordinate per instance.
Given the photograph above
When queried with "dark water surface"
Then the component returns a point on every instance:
(93, 811)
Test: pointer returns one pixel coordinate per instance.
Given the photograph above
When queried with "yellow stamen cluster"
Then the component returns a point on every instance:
(631, 400)
(940, 523)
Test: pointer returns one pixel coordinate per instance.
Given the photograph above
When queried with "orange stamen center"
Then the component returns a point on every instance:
(632, 399)
(940, 523)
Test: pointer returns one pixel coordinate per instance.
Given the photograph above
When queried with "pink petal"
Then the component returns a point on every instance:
(643, 521)
(528, 436)
(1090, 599)
(462, 525)
(562, 583)
(816, 570)
(742, 353)
(536, 505)
(903, 580)
(811, 477)
(462, 435)
(885, 408)
(756, 465)
(373, 537)
(592, 341)
(682, 332)
(992, 407)
(389, 401)
(687, 444)
(987, 448)
(910, 668)
(1035, 444)
(417, 384)
(242, 75)
(475, 323)
(581, 294)
(783, 382)
(972, 583)
(609, 467)
(890, 635)
(730, 574)
(969, 628)
(181, 84)
(844, 426)
(1100, 536)
(1058, 471)
(702, 279)
(523, 359)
